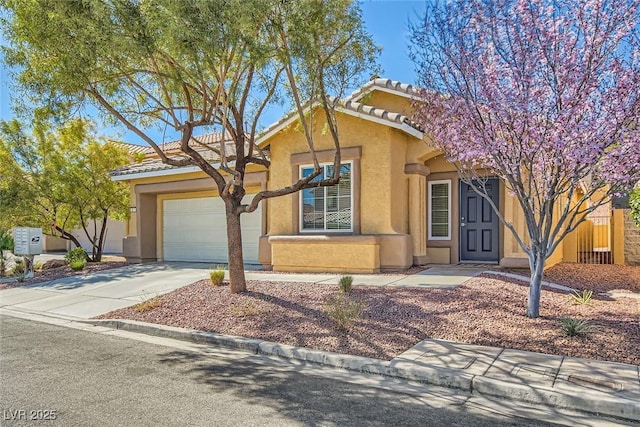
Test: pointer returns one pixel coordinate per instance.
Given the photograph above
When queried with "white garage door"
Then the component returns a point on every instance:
(196, 230)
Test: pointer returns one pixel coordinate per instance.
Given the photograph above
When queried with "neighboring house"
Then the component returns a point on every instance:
(116, 232)
(399, 202)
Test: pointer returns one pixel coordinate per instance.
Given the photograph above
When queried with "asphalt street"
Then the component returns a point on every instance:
(59, 376)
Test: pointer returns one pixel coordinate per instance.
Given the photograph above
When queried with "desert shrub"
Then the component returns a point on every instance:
(53, 263)
(6, 241)
(343, 308)
(75, 254)
(345, 284)
(578, 298)
(217, 276)
(573, 327)
(245, 309)
(19, 266)
(148, 305)
(78, 264)
(38, 265)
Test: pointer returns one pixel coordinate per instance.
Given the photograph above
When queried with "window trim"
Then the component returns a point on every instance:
(430, 207)
(301, 228)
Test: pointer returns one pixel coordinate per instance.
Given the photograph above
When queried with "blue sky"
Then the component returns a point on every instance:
(386, 20)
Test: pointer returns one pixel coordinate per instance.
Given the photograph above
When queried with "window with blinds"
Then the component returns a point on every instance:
(440, 210)
(327, 208)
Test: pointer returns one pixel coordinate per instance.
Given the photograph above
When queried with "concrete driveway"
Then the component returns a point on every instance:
(89, 296)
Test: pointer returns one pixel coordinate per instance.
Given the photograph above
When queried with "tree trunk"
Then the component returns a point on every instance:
(536, 264)
(99, 247)
(2, 265)
(68, 236)
(237, 281)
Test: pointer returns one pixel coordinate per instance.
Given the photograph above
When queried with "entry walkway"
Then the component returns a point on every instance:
(431, 277)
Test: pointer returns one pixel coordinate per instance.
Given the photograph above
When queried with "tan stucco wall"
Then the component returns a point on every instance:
(383, 197)
(388, 101)
(330, 253)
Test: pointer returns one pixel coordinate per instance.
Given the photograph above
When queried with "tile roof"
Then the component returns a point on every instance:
(155, 164)
(388, 84)
(167, 147)
(381, 113)
(350, 103)
(132, 148)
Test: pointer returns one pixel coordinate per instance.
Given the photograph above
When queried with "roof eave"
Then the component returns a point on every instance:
(262, 141)
(163, 172)
(400, 126)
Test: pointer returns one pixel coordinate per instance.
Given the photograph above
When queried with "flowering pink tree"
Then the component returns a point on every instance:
(543, 94)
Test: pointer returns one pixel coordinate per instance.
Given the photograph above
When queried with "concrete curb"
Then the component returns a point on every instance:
(587, 401)
(183, 334)
(593, 402)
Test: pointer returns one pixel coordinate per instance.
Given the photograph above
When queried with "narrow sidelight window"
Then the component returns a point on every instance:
(439, 198)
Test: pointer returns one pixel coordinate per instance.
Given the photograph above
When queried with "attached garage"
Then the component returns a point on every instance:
(195, 230)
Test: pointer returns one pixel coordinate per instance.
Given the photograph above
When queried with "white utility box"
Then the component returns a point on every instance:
(27, 241)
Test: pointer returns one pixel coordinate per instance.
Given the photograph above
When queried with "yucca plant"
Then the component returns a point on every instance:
(573, 327)
(578, 298)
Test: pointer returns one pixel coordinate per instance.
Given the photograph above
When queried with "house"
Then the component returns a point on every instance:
(399, 202)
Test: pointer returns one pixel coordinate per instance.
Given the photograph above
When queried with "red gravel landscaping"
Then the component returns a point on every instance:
(66, 271)
(596, 277)
(485, 310)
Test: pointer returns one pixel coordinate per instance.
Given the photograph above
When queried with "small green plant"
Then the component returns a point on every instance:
(343, 308)
(148, 305)
(217, 276)
(75, 254)
(345, 284)
(573, 327)
(38, 265)
(578, 298)
(78, 264)
(19, 267)
(21, 276)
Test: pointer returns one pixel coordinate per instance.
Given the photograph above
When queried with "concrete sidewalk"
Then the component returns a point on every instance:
(588, 385)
